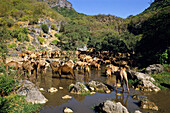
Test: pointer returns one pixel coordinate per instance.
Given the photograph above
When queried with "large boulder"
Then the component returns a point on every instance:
(144, 81)
(154, 69)
(79, 88)
(111, 107)
(98, 86)
(31, 92)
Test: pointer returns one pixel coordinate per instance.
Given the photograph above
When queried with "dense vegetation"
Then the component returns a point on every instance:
(12, 11)
(145, 34)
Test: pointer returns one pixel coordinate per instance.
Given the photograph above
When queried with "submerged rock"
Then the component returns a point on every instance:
(137, 111)
(111, 107)
(136, 97)
(32, 93)
(41, 89)
(68, 110)
(66, 97)
(52, 90)
(148, 105)
(79, 88)
(98, 86)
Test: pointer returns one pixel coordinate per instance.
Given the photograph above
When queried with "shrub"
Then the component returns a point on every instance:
(54, 27)
(41, 40)
(10, 22)
(45, 28)
(17, 104)
(57, 35)
(7, 84)
(12, 45)
(54, 41)
(31, 48)
(33, 21)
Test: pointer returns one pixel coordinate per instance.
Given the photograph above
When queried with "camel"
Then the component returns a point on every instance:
(14, 65)
(86, 69)
(120, 63)
(96, 65)
(57, 68)
(44, 54)
(27, 67)
(122, 76)
(114, 68)
(3, 60)
(108, 72)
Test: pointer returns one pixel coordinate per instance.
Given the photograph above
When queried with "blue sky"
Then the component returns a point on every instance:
(120, 8)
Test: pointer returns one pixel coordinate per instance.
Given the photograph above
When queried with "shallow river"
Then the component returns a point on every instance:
(84, 104)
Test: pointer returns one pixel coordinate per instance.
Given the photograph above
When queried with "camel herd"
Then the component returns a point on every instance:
(38, 62)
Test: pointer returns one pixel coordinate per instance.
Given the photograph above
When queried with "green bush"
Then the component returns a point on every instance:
(41, 40)
(12, 45)
(162, 80)
(21, 34)
(33, 21)
(10, 22)
(54, 27)
(45, 28)
(31, 48)
(7, 84)
(17, 104)
(55, 42)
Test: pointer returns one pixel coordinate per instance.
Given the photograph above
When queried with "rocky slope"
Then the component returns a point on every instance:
(58, 3)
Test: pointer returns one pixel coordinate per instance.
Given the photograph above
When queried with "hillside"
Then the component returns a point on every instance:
(56, 22)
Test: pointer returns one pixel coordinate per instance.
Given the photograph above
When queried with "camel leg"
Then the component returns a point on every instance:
(59, 72)
(117, 78)
(72, 73)
(126, 81)
(121, 80)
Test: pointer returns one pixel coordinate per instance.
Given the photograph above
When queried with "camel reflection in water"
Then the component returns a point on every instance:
(120, 97)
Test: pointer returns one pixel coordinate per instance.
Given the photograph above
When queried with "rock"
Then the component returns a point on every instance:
(92, 93)
(118, 85)
(60, 87)
(108, 91)
(31, 92)
(144, 81)
(41, 89)
(149, 86)
(145, 104)
(142, 76)
(36, 42)
(68, 110)
(78, 88)
(10, 50)
(98, 86)
(154, 69)
(66, 97)
(137, 111)
(13, 54)
(118, 94)
(135, 97)
(52, 90)
(111, 107)
(18, 48)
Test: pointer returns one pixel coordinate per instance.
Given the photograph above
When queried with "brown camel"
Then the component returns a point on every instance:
(122, 76)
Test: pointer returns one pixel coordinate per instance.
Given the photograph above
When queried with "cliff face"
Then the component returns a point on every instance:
(58, 3)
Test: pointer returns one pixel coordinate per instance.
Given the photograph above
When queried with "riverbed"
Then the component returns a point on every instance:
(85, 104)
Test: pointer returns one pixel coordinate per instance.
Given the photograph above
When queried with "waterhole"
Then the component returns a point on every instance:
(85, 104)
